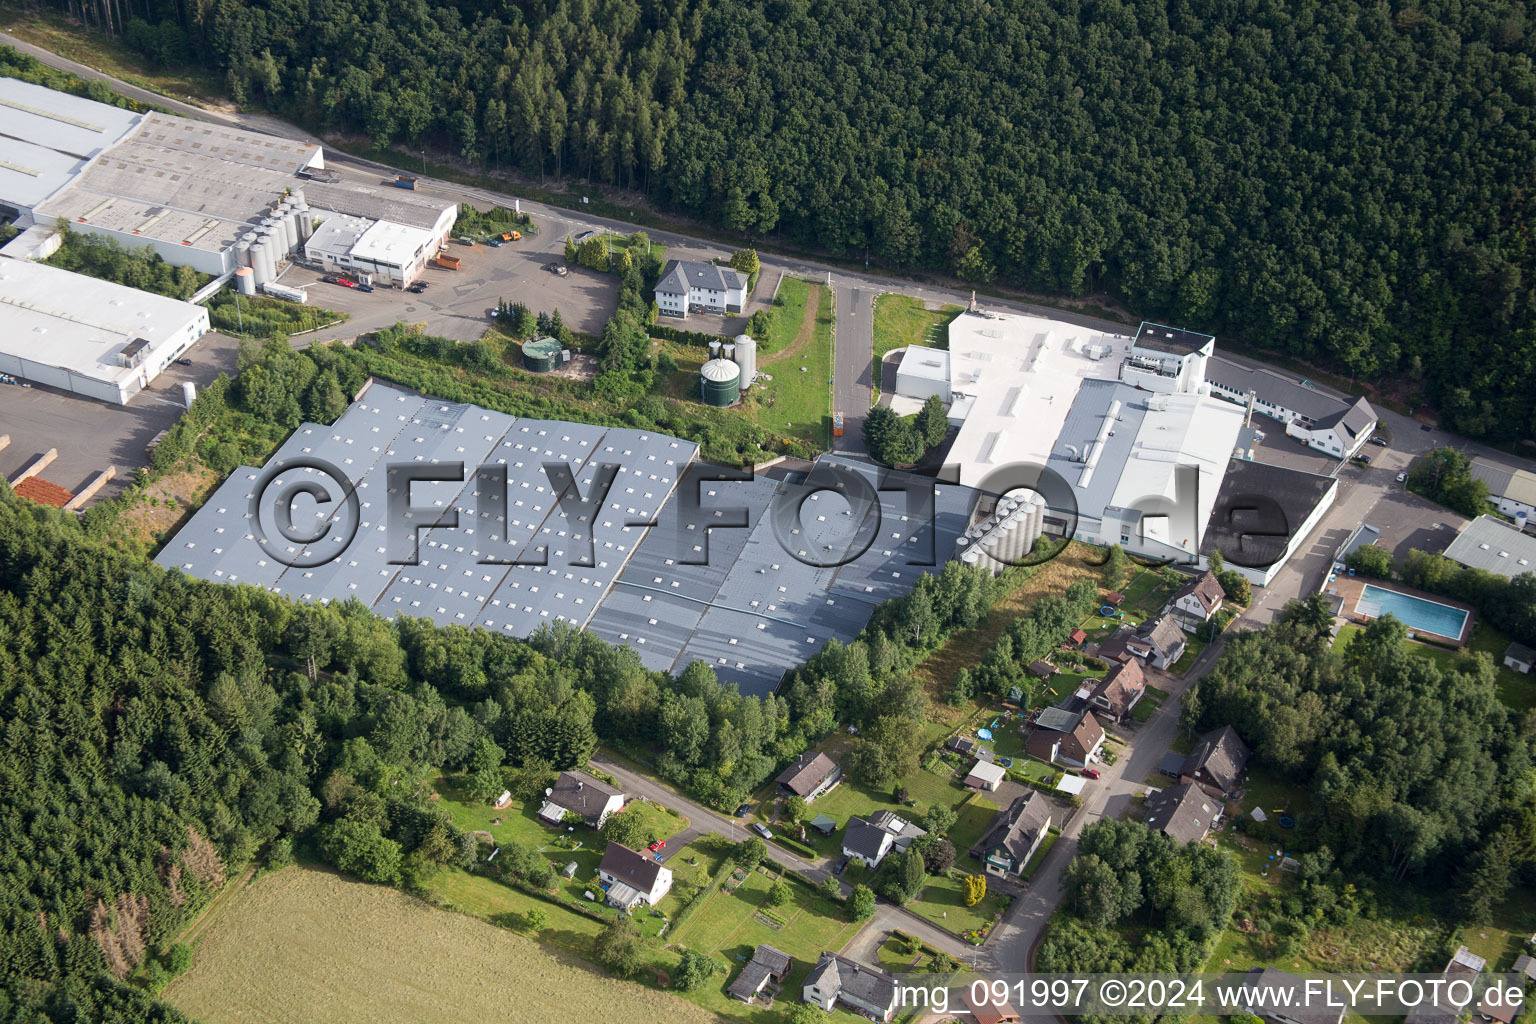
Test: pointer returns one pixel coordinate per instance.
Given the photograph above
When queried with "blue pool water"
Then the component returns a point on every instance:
(1414, 612)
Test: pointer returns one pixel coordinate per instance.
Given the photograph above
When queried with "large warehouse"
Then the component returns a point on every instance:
(752, 611)
(1127, 423)
(201, 194)
(89, 336)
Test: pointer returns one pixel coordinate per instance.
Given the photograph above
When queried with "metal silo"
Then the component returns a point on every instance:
(305, 221)
(259, 267)
(541, 355)
(746, 358)
(267, 243)
(297, 196)
(720, 380)
(243, 253)
(245, 280)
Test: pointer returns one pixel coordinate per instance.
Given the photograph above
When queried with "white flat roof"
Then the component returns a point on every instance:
(1020, 374)
(81, 323)
(387, 242)
(927, 363)
(987, 771)
(55, 120)
(30, 173)
(337, 233)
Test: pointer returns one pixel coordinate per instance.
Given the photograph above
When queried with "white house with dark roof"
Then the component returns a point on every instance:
(1159, 642)
(1014, 835)
(1333, 425)
(870, 841)
(688, 287)
(837, 979)
(632, 878)
(1520, 658)
(580, 793)
(1197, 601)
(1341, 433)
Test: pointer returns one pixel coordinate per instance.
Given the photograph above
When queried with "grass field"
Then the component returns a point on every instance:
(943, 903)
(901, 320)
(303, 945)
(974, 819)
(798, 356)
(925, 788)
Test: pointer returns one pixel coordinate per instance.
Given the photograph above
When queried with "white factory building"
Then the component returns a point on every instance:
(206, 195)
(88, 336)
(389, 253)
(1140, 452)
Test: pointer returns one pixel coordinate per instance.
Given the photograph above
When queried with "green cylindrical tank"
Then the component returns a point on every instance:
(721, 382)
(541, 354)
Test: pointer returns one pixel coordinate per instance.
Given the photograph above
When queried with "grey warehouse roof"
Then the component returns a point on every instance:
(1491, 544)
(751, 610)
(1273, 388)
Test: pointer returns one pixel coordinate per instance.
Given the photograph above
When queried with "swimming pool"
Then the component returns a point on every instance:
(1414, 612)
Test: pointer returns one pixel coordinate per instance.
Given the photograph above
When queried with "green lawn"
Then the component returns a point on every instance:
(852, 798)
(1518, 692)
(797, 402)
(1194, 647)
(943, 903)
(975, 817)
(901, 320)
(1150, 701)
(730, 926)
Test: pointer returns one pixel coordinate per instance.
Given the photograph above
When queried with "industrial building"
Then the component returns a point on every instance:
(1327, 424)
(89, 336)
(1494, 546)
(201, 194)
(1511, 491)
(717, 578)
(1137, 450)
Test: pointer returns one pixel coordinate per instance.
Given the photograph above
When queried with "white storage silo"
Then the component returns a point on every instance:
(265, 243)
(291, 226)
(297, 197)
(245, 280)
(304, 220)
(188, 393)
(242, 253)
(746, 358)
(260, 274)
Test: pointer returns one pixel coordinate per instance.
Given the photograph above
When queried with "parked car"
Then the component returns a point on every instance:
(365, 287)
(329, 279)
(762, 830)
(418, 287)
(1425, 426)
(494, 242)
(586, 235)
(345, 282)
(741, 812)
(1379, 442)
(1361, 460)
(660, 844)
(556, 268)
(183, 362)
(840, 866)
(1090, 773)
(1402, 478)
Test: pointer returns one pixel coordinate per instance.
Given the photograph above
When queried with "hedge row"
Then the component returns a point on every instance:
(721, 873)
(682, 337)
(795, 845)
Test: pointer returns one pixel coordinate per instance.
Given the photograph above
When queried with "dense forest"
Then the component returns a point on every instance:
(1342, 182)
(1411, 771)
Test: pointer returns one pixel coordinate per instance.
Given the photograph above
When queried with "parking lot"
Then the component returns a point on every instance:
(91, 435)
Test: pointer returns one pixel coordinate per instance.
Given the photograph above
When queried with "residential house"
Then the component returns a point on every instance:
(961, 744)
(1525, 965)
(836, 979)
(1290, 1004)
(1184, 812)
(1114, 649)
(988, 1011)
(1119, 691)
(1159, 642)
(580, 793)
(1065, 737)
(632, 877)
(1520, 658)
(768, 966)
(1196, 601)
(869, 841)
(1512, 491)
(1464, 965)
(1077, 638)
(809, 776)
(1216, 763)
(1496, 1008)
(688, 287)
(1341, 433)
(986, 775)
(1014, 835)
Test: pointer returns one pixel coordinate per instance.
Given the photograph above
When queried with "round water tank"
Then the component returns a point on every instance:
(245, 280)
(721, 382)
(746, 358)
(541, 354)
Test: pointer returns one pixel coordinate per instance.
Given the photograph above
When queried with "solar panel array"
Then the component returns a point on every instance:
(731, 574)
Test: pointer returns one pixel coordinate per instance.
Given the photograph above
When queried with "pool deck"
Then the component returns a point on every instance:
(1349, 588)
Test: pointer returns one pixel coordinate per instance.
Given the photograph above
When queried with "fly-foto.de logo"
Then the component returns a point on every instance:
(314, 510)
